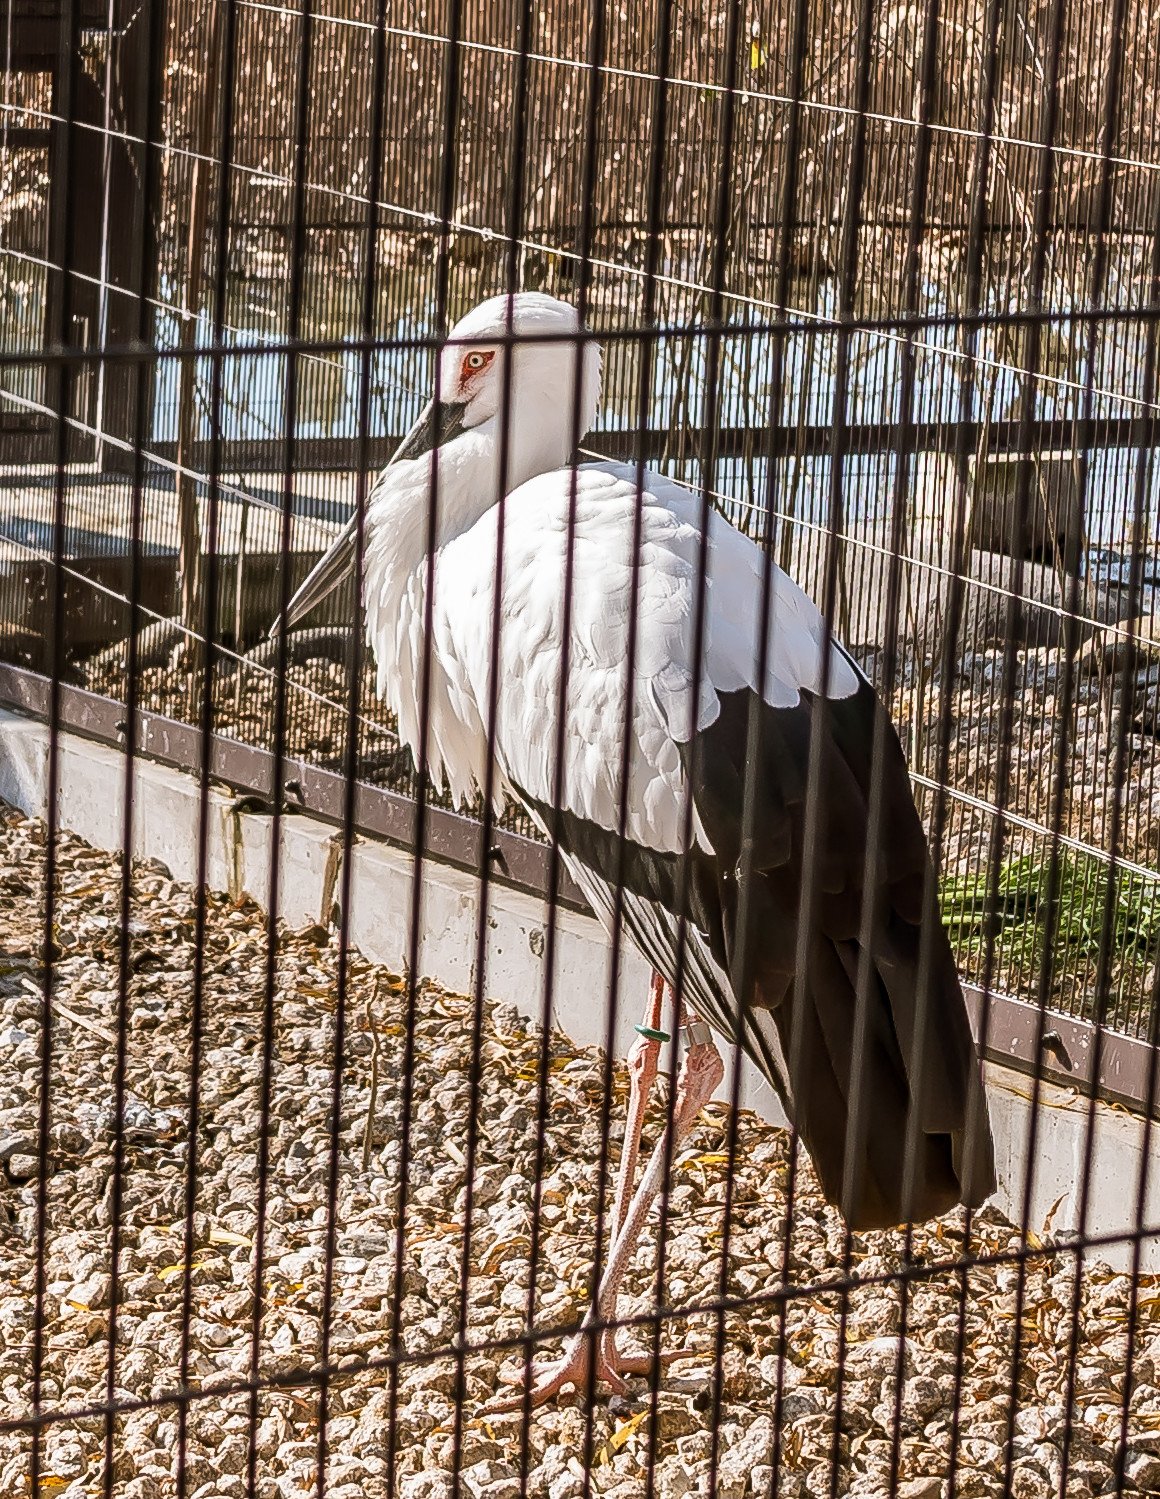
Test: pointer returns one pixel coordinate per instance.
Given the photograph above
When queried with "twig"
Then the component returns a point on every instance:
(87, 1025)
(372, 1102)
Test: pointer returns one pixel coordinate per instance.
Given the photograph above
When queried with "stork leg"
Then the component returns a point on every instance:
(642, 1071)
(700, 1074)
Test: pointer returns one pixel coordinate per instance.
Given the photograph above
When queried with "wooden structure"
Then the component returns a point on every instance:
(89, 56)
(100, 558)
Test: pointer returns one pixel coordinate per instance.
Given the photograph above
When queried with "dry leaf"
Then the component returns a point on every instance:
(619, 1437)
(227, 1236)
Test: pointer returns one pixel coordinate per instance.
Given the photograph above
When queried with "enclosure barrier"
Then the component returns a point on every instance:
(312, 1102)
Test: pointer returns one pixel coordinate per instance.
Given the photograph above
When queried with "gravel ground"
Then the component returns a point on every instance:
(220, 1275)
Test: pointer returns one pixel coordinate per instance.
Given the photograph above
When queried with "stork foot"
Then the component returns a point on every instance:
(550, 1376)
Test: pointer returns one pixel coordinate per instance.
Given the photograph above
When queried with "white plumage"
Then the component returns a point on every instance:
(532, 613)
(436, 518)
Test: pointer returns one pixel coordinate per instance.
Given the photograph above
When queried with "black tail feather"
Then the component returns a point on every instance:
(821, 1097)
(914, 1001)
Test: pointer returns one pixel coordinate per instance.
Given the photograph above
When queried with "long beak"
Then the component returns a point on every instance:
(437, 424)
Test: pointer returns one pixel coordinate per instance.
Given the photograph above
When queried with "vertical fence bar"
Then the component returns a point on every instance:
(660, 246)
(151, 85)
(58, 338)
(448, 178)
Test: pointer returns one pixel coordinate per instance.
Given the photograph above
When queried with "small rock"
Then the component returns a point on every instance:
(674, 1480)
(553, 1462)
(430, 1485)
(880, 1358)
(739, 1458)
(1143, 1468)
(16, 1144)
(676, 1416)
(66, 1137)
(806, 1400)
(695, 1447)
(921, 1488)
(227, 1486)
(1027, 1482)
(923, 1397)
(92, 1292)
(143, 1487)
(490, 1480)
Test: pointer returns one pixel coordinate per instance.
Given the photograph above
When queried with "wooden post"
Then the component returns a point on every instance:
(239, 598)
(188, 524)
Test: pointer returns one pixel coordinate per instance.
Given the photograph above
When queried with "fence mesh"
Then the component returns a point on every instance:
(877, 285)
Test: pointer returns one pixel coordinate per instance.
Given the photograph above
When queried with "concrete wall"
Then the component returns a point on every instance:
(90, 802)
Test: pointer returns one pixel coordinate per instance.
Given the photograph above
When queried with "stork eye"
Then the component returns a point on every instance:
(475, 361)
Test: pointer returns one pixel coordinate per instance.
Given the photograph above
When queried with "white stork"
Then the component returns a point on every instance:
(687, 737)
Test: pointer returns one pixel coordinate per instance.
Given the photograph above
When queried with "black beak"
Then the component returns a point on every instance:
(438, 423)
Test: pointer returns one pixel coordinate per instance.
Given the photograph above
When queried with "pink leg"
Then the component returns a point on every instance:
(642, 1070)
(701, 1073)
(699, 1078)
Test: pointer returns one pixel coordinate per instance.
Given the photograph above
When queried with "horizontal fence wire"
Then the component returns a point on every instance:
(305, 1140)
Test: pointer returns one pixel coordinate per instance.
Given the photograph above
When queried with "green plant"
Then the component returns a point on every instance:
(1017, 913)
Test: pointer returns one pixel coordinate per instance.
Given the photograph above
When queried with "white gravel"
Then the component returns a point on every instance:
(222, 1271)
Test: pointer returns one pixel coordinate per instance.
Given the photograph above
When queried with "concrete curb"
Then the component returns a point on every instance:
(91, 782)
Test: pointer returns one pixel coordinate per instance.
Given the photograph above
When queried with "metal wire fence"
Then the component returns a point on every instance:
(877, 286)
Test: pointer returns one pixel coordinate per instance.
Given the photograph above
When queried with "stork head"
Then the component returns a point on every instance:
(536, 335)
(513, 362)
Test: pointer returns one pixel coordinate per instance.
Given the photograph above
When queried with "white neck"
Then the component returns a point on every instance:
(464, 487)
(398, 536)
(463, 482)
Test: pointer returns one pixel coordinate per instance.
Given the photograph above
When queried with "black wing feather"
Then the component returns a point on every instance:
(901, 906)
(872, 1190)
